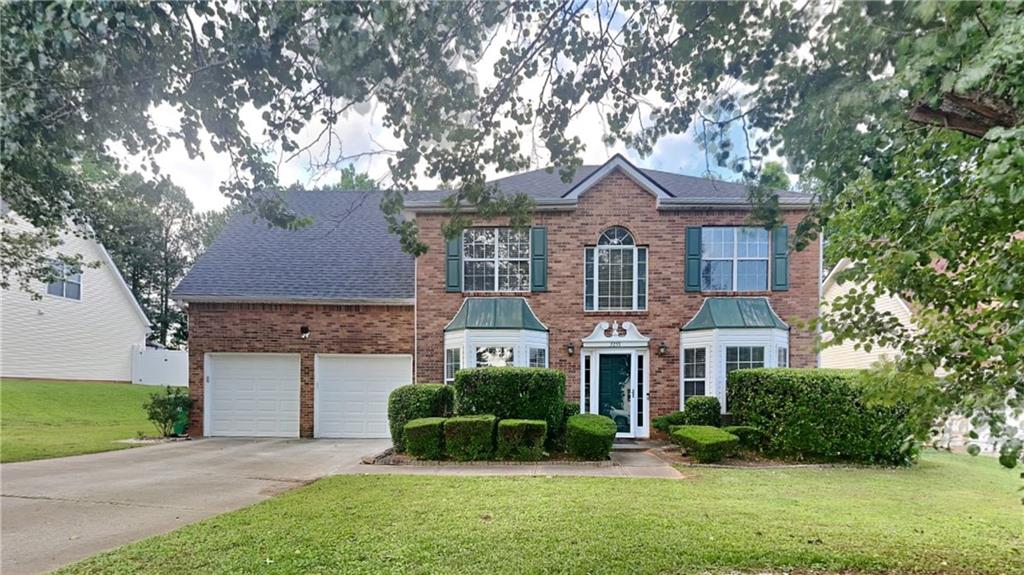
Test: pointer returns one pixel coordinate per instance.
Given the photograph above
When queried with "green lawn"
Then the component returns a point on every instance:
(951, 513)
(42, 419)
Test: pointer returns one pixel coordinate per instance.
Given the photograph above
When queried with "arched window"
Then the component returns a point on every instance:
(615, 272)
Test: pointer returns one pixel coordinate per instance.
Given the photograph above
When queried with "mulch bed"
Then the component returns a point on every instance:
(389, 457)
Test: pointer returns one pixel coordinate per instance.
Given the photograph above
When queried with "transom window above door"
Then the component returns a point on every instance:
(615, 273)
(734, 259)
(496, 259)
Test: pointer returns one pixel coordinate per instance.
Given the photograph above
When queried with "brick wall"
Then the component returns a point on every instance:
(274, 328)
(616, 200)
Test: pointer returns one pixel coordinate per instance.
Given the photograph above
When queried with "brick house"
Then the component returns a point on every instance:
(644, 287)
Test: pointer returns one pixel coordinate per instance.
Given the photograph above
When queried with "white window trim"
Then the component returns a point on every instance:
(457, 368)
(684, 379)
(529, 351)
(513, 347)
(781, 352)
(496, 259)
(63, 279)
(735, 259)
(597, 279)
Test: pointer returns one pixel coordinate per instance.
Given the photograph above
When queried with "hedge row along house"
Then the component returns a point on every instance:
(644, 287)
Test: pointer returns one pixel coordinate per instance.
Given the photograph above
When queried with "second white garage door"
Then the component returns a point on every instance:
(252, 394)
(352, 393)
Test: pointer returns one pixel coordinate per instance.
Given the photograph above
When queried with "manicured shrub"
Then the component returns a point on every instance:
(590, 436)
(556, 436)
(700, 410)
(704, 443)
(664, 423)
(819, 414)
(424, 437)
(750, 437)
(415, 401)
(511, 393)
(703, 410)
(521, 439)
(469, 437)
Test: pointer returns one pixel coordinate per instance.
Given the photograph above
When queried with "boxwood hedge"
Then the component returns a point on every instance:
(424, 437)
(750, 437)
(705, 443)
(521, 439)
(590, 436)
(469, 437)
(511, 393)
(415, 401)
(700, 410)
(818, 414)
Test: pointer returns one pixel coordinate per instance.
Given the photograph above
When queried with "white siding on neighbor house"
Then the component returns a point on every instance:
(58, 338)
(844, 355)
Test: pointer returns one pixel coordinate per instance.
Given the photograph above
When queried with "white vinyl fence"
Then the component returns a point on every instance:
(152, 366)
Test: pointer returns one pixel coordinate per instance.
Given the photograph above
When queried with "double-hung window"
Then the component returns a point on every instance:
(452, 363)
(538, 357)
(615, 273)
(67, 281)
(496, 259)
(694, 372)
(734, 259)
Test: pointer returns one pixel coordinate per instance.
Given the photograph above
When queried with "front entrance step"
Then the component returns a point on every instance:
(636, 444)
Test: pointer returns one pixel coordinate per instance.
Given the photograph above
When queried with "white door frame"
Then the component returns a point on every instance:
(630, 343)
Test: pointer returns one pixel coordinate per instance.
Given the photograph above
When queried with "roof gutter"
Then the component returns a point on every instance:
(293, 301)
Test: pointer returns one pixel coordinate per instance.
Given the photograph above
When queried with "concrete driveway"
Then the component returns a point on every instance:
(56, 511)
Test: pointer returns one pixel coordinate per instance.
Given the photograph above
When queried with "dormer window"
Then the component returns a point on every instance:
(615, 273)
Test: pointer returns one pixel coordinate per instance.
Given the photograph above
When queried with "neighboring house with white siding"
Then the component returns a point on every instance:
(82, 328)
(845, 355)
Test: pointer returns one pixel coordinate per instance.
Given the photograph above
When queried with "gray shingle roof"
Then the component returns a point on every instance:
(547, 185)
(347, 254)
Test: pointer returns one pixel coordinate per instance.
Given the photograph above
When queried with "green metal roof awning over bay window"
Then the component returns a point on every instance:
(495, 313)
(735, 313)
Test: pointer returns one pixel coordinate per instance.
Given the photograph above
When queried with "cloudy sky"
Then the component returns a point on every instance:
(362, 131)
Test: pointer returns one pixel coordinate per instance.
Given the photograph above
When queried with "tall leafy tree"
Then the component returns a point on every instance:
(905, 118)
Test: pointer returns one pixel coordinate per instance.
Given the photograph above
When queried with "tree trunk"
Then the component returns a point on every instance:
(973, 113)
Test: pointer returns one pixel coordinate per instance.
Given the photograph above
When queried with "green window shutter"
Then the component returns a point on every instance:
(692, 268)
(453, 265)
(539, 259)
(780, 258)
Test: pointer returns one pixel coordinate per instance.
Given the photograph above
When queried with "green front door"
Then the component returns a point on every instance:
(614, 389)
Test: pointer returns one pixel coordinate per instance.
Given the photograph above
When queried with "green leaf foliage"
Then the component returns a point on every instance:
(590, 436)
(416, 401)
(521, 439)
(511, 393)
(750, 437)
(424, 437)
(819, 415)
(470, 437)
(705, 443)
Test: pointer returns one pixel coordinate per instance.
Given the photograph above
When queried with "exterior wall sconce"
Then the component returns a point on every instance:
(570, 348)
(304, 332)
(662, 349)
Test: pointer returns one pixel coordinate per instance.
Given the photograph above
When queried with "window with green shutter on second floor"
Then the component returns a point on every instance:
(496, 259)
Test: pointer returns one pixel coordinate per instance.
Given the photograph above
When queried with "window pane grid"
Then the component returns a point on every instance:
(734, 259)
(496, 259)
(68, 282)
(615, 273)
(694, 372)
(452, 363)
(538, 357)
(743, 358)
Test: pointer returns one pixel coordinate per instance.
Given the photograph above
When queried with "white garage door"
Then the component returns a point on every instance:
(352, 393)
(252, 395)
